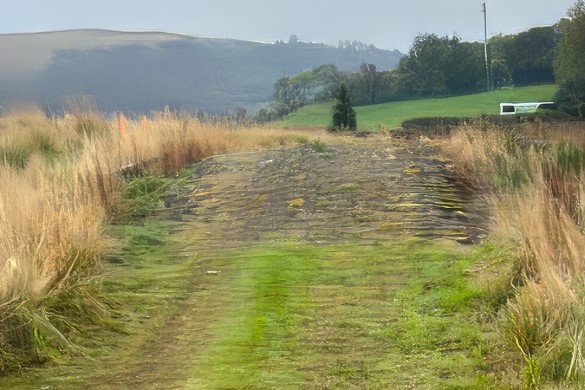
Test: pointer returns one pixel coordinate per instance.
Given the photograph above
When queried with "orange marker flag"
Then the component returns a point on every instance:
(122, 123)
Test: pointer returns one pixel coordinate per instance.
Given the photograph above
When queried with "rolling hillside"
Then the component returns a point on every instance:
(391, 115)
(140, 72)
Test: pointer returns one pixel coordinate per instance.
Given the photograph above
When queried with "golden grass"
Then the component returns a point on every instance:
(55, 201)
(62, 180)
(49, 226)
(535, 182)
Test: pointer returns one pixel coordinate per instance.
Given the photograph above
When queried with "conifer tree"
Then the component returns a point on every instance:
(344, 116)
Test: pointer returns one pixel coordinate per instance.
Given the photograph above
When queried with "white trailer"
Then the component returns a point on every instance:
(525, 108)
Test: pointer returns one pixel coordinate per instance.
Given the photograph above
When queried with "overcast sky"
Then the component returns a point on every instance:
(388, 24)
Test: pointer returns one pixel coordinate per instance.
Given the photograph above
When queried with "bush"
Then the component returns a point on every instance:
(417, 123)
(273, 112)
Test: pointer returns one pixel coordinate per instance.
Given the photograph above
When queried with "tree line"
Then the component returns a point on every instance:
(570, 62)
(440, 66)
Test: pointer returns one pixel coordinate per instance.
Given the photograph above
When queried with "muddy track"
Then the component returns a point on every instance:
(364, 188)
(359, 191)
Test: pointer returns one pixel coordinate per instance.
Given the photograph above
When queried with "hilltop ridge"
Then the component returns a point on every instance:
(148, 70)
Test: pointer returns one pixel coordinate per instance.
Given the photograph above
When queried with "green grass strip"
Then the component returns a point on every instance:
(344, 316)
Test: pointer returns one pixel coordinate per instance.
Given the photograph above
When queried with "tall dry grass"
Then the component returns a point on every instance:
(535, 180)
(61, 184)
(171, 141)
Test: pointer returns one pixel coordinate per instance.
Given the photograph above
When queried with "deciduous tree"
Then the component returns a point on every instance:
(370, 80)
(570, 62)
(530, 56)
(438, 66)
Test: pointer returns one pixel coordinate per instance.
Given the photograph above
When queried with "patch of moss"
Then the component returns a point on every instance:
(296, 204)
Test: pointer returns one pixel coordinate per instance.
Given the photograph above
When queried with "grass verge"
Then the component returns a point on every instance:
(291, 315)
(536, 181)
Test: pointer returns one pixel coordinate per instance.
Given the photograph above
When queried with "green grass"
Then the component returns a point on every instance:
(140, 196)
(292, 315)
(288, 315)
(346, 316)
(391, 115)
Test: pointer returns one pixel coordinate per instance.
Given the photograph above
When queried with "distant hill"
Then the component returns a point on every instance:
(144, 71)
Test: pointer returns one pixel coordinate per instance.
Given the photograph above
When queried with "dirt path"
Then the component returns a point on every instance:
(290, 269)
(360, 188)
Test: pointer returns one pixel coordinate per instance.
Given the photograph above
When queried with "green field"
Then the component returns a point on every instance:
(391, 115)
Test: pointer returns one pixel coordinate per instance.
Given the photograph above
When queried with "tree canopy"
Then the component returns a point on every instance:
(570, 62)
(525, 58)
(440, 66)
(315, 86)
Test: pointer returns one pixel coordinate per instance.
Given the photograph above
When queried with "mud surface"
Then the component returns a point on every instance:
(363, 188)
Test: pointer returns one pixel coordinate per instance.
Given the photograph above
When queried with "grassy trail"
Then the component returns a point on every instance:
(324, 266)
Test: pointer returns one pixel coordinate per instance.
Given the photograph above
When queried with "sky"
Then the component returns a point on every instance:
(387, 24)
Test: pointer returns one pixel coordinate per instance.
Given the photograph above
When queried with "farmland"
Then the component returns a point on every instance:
(391, 115)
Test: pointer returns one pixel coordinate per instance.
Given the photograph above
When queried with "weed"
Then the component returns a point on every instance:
(46, 146)
(141, 196)
(509, 174)
(16, 156)
(532, 371)
(570, 158)
(318, 146)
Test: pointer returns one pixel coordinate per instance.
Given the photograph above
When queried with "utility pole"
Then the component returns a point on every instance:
(485, 48)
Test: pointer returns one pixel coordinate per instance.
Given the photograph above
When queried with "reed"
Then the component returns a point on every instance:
(535, 182)
(63, 181)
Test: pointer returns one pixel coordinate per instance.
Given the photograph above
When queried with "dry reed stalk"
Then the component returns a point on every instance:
(176, 141)
(44, 223)
(556, 132)
(52, 216)
(473, 151)
(46, 217)
(544, 217)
